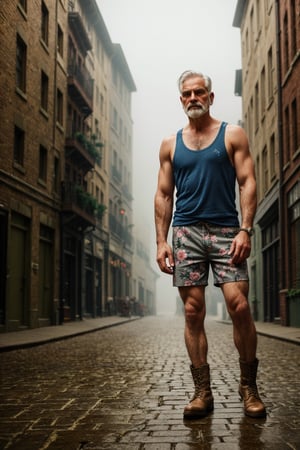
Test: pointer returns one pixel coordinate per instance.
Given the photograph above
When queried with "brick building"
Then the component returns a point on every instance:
(289, 121)
(269, 85)
(58, 143)
(33, 89)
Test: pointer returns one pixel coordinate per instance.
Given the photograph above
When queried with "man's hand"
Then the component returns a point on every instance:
(240, 248)
(165, 258)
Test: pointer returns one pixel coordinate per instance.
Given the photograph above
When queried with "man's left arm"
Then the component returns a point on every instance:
(245, 173)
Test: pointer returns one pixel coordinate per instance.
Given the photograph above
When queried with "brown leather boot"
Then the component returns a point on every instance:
(202, 402)
(253, 406)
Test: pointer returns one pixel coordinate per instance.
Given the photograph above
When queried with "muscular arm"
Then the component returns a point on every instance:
(244, 166)
(163, 206)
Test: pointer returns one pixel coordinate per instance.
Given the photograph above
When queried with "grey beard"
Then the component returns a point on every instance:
(195, 113)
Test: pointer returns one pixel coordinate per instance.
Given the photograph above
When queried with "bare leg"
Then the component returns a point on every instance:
(194, 333)
(244, 332)
(245, 339)
(202, 401)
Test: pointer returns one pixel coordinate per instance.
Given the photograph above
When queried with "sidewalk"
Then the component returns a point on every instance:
(14, 340)
(29, 338)
(275, 331)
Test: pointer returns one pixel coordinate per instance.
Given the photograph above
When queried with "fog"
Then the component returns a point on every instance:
(160, 40)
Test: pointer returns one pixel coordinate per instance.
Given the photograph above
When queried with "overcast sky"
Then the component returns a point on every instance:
(161, 39)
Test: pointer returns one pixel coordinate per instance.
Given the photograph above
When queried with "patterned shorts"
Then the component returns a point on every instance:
(196, 247)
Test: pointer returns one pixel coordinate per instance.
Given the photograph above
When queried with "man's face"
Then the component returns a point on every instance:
(195, 98)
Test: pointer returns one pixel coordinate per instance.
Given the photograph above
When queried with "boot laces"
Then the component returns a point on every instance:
(252, 392)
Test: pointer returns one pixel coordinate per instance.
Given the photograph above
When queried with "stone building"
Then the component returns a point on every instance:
(120, 169)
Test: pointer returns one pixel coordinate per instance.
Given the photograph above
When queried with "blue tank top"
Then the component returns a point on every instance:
(205, 182)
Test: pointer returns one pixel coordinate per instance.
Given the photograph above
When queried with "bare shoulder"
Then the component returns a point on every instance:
(236, 137)
(167, 147)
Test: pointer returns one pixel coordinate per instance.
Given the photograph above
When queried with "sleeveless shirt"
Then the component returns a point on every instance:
(205, 183)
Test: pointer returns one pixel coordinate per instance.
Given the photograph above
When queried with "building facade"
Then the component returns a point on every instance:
(120, 171)
(34, 88)
(263, 97)
(58, 251)
(288, 20)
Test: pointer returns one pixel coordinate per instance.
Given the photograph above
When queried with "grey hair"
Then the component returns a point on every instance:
(192, 73)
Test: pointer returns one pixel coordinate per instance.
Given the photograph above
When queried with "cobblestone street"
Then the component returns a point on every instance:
(125, 388)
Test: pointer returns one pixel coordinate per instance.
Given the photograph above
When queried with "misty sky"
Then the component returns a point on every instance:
(161, 39)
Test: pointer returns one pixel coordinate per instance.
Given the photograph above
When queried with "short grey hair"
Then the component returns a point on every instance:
(192, 73)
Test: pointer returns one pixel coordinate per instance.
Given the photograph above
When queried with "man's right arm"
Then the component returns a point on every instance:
(163, 203)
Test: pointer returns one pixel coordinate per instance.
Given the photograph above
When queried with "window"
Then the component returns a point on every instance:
(272, 156)
(60, 41)
(56, 180)
(258, 172)
(265, 172)
(263, 92)
(115, 119)
(43, 164)
(21, 64)
(287, 135)
(270, 74)
(285, 43)
(19, 143)
(23, 4)
(45, 24)
(251, 28)
(101, 104)
(293, 28)
(256, 107)
(295, 129)
(59, 107)
(44, 91)
(258, 15)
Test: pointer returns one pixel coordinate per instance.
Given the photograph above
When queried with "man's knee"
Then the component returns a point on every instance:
(236, 299)
(194, 304)
(194, 314)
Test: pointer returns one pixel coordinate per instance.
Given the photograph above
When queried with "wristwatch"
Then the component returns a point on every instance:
(249, 230)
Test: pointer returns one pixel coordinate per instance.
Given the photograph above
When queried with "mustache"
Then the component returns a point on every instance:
(193, 104)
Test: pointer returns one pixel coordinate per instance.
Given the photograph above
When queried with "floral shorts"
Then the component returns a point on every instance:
(196, 247)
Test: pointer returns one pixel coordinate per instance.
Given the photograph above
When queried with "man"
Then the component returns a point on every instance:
(202, 162)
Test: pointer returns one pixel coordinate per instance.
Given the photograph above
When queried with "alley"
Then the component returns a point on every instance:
(124, 388)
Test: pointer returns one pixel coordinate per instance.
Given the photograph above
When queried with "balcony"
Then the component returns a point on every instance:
(81, 151)
(80, 88)
(122, 232)
(79, 207)
(79, 31)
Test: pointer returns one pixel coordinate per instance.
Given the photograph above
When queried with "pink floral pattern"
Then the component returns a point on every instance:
(196, 247)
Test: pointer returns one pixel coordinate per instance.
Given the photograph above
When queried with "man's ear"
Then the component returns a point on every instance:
(211, 98)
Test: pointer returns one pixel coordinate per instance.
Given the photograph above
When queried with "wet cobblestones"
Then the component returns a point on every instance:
(125, 388)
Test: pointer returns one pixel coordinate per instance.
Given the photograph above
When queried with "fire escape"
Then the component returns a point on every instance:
(81, 153)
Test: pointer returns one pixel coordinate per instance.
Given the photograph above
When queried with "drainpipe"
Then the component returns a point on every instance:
(61, 217)
(282, 280)
(283, 305)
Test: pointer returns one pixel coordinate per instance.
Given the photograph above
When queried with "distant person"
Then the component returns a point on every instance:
(202, 162)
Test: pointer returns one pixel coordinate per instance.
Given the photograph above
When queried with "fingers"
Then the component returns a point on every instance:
(165, 265)
(165, 260)
(240, 250)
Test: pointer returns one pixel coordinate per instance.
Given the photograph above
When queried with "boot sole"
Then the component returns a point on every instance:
(253, 415)
(193, 415)
(256, 415)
